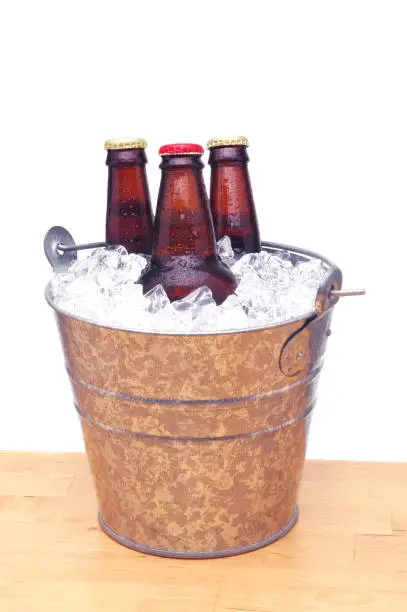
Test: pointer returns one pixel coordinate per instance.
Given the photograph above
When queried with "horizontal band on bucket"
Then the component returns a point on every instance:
(199, 402)
(144, 436)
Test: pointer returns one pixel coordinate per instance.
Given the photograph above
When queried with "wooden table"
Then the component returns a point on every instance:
(347, 553)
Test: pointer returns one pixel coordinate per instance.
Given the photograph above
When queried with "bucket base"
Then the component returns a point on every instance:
(214, 554)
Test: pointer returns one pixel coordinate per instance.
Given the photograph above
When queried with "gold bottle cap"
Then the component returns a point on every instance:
(237, 141)
(114, 144)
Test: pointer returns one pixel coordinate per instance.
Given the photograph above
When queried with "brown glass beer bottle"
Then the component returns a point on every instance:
(129, 219)
(184, 250)
(232, 204)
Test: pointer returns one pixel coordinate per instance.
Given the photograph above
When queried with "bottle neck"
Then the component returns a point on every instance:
(230, 182)
(183, 224)
(232, 203)
(129, 214)
(127, 187)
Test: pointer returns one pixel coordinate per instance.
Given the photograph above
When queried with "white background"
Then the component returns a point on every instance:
(319, 88)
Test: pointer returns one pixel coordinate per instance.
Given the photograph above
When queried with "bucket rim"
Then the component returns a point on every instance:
(267, 246)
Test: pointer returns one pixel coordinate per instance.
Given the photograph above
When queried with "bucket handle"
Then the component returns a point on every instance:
(303, 349)
(330, 290)
(61, 250)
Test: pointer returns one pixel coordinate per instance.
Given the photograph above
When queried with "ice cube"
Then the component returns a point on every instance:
(195, 301)
(207, 319)
(244, 264)
(128, 307)
(283, 254)
(232, 301)
(59, 284)
(131, 267)
(83, 267)
(85, 300)
(225, 251)
(309, 272)
(78, 287)
(157, 298)
(250, 284)
(103, 252)
(232, 314)
(273, 269)
(129, 295)
(165, 318)
(109, 257)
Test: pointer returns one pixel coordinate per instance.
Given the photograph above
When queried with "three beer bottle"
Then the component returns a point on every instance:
(129, 219)
(232, 204)
(184, 249)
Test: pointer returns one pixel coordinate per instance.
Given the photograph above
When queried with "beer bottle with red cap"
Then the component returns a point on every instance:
(184, 249)
(129, 219)
(232, 203)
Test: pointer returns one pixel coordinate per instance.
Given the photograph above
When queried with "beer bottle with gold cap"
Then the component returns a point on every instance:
(184, 249)
(129, 219)
(232, 203)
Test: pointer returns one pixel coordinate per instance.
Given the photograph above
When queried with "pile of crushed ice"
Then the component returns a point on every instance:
(272, 289)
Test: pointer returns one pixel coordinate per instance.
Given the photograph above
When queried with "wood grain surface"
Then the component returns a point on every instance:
(348, 552)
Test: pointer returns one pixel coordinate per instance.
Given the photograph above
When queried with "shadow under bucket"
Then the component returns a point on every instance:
(196, 443)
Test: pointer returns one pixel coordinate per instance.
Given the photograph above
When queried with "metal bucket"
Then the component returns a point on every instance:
(196, 443)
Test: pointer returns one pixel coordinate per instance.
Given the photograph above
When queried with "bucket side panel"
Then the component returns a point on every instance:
(157, 366)
(197, 496)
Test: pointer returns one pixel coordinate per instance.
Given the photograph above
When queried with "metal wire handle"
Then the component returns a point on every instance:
(60, 249)
(347, 292)
(67, 248)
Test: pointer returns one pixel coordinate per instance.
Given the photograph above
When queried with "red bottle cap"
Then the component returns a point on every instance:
(181, 149)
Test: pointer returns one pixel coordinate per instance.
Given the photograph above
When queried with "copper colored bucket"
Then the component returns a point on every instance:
(196, 443)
